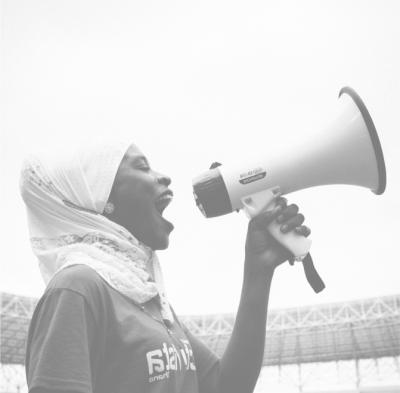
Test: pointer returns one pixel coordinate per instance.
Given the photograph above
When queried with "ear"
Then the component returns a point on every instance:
(109, 208)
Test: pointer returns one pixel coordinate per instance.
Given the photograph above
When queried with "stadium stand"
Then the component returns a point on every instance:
(339, 347)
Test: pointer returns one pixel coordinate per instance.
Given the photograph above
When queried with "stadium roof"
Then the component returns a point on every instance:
(368, 328)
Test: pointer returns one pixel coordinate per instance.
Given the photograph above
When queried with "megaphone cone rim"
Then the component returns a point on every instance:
(373, 135)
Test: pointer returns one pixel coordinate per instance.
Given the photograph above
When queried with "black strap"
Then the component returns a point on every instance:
(312, 275)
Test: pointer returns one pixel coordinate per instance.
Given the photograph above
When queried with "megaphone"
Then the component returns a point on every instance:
(347, 151)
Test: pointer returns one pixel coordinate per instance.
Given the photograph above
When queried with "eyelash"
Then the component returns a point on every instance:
(144, 168)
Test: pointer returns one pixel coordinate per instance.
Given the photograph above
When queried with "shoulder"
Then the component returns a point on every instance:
(79, 285)
(75, 277)
(80, 279)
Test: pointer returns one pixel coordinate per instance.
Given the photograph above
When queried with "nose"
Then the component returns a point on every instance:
(163, 179)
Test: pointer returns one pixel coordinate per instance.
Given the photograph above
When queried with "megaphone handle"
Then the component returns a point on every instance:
(297, 244)
(300, 247)
(264, 200)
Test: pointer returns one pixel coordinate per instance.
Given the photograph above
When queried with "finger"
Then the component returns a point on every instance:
(292, 223)
(287, 213)
(265, 218)
(282, 201)
(303, 230)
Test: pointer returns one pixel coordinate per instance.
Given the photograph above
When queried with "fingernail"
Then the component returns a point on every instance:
(284, 228)
(279, 219)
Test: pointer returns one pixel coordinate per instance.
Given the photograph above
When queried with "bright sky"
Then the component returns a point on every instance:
(197, 82)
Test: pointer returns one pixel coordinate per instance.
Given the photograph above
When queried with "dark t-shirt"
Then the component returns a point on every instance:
(86, 337)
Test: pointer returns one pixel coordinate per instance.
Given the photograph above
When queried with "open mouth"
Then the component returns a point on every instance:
(163, 201)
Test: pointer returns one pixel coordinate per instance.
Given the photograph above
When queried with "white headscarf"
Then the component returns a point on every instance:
(65, 192)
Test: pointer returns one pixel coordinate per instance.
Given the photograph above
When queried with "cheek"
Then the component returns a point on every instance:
(137, 196)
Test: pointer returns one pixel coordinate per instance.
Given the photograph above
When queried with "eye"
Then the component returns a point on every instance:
(143, 165)
(144, 168)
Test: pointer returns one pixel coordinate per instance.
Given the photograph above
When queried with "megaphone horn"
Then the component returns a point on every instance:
(348, 151)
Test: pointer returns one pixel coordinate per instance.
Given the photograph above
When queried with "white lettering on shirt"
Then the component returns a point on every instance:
(161, 361)
(155, 361)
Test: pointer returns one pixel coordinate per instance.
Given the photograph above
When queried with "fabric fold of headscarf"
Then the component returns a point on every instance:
(65, 192)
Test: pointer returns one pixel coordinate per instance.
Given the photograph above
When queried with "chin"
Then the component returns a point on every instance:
(158, 243)
(161, 244)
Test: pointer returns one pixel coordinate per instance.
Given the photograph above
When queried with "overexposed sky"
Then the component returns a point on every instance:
(197, 82)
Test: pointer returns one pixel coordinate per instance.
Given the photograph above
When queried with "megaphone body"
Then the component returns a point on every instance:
(347, 151)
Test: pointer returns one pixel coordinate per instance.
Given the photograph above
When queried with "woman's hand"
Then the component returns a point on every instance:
(263, 252)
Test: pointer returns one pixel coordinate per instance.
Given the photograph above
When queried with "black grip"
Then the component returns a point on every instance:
(312, 275)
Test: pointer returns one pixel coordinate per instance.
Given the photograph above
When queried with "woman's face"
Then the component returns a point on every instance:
(140, 195)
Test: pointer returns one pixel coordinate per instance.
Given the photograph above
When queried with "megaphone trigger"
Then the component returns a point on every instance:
(215, 165)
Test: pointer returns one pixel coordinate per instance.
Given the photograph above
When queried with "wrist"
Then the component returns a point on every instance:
(255, 289)
(255, 270)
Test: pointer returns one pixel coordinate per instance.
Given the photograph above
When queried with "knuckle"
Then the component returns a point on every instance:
(281, 199)
(300, 217)
(291, 210)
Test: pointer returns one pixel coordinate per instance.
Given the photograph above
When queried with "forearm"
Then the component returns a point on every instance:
(242, 360)
(43, 390)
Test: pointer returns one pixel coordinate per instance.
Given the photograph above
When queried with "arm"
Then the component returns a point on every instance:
(241, 363)
(242, 360)
(37, 390)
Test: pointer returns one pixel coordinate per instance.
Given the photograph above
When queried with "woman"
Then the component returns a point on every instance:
(104, 324)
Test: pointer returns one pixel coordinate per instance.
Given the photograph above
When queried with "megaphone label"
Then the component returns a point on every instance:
(253, 175)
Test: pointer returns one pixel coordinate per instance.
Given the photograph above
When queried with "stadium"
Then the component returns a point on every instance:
(339, 347)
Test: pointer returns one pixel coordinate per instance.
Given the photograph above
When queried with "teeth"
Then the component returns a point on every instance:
(165, 198)
(163, 202)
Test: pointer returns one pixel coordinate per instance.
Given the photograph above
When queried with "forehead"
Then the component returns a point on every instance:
(133, 152)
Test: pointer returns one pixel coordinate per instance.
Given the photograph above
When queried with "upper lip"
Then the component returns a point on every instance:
(166, 192)
(162, 204)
